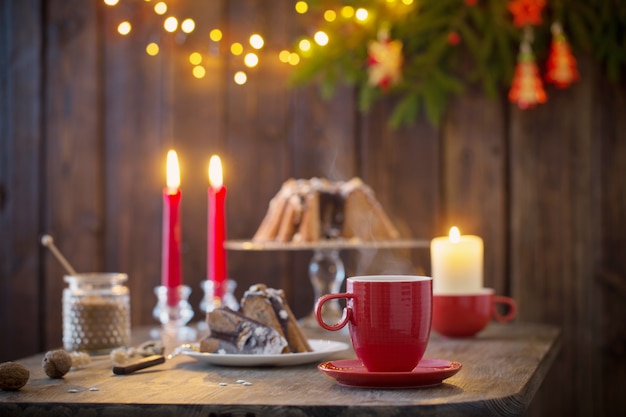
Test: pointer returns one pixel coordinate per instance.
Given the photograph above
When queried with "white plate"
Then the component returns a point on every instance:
(321, 350)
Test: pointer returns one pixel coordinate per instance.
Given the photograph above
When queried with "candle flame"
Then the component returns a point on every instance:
(215, 171)
(173, 171)
(455, 234)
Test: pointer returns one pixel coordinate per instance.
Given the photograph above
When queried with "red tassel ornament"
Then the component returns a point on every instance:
(561, 67)
(526, 89)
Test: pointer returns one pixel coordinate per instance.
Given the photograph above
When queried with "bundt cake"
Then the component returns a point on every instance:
(317, 209)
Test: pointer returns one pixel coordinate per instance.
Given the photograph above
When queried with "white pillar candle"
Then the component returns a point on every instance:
(457, 263)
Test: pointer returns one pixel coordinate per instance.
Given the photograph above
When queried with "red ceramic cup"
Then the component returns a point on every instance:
(464, 315)
(389, 319)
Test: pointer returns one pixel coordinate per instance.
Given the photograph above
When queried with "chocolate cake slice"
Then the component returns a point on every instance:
(233, 332)
(269, 306)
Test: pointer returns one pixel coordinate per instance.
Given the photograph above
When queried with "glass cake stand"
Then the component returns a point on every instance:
(326, 269)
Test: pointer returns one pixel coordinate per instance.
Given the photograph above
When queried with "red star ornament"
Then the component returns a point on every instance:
(526, 12)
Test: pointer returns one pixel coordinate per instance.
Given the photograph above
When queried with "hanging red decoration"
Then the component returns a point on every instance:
(384, 60)
(526, 12)
(526, 89)
(561, 66)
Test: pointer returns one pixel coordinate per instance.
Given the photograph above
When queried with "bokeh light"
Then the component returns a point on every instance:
(160, 8)
(216, 35)
(301, 7)
(124, 28)
(257, 41)
(236, 49)
(283, 56)
(152, 49)
(251, 60)
(321, 38)
(195, 58)
(188, 25)
(198, 71)
(170, 24)
(361, 14)
(294, 58)
(304, 45)
(240, 78)
(347, 12)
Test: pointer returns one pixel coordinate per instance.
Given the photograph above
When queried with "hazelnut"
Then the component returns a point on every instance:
(13, 376)
(56, 363)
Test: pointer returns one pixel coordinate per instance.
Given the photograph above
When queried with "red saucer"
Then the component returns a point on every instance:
(427, 373)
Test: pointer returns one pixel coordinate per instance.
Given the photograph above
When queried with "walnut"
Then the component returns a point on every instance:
(13, 376)
(56, 363)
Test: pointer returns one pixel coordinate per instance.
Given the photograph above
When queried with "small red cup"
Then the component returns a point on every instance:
(389, 318)
(464, 315)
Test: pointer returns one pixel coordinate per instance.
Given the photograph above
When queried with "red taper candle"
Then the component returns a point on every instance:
(216, 228)
(171, 270)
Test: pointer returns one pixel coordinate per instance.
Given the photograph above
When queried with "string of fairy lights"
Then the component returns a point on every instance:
(248, 49)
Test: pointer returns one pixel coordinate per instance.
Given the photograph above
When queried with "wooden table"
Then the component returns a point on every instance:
(502, 369)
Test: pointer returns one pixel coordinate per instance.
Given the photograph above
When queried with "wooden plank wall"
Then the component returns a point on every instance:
(21, 159)
(86, 118)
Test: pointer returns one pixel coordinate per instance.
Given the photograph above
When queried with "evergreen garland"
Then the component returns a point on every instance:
(449, 44)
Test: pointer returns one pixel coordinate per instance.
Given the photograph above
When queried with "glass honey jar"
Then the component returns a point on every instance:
(96, 312)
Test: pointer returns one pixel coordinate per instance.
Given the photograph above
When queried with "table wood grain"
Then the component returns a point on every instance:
(502, 369)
